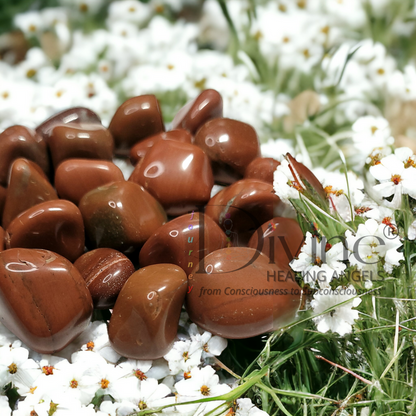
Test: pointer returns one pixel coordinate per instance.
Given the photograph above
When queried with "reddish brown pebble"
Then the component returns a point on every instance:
(137, 118)
(120, 215)
(28, 186)
(19, 141)
(86, 141)
(3, 194)
(75, 177)
(44, 300)
(105, 272)
(236, 293)
(193, 115)
(52, 225)
(231, 145)
(72, 115)
(138, 151)
(243, 207)
(145, 318)
(177, 174)
(262, 168)
(280, 239)
(178, 242)
(2, 239)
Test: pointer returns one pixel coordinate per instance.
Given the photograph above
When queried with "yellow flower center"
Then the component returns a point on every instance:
(205, 390)
(142, 405)
(12, 368)
(73, 384)
(140, 375)
(104, 383)
(396, 179)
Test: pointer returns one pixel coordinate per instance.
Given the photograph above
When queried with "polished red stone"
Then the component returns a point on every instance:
(145, 318)
(177, 174)
(262, 168)
(75, 177)
(105, 272)
(44, 300)
(236, 293)
(52, 225)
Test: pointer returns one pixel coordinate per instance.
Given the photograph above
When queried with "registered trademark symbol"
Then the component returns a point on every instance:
(390, 231)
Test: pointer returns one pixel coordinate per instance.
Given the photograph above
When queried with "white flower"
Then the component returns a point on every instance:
(30, 23)
(411, 232)
(341, 318)
(129, 11)
(184, 355)
(4, 406)
(245, 407)
(210, 345)
(277, 148)
(284, 184)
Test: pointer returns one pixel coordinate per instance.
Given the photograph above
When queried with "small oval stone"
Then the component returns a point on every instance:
(52, 225)
(261, 168)
(72, 115)
(194, 114)
(231, 145)
(75, 177)
(145, 318)
(236, 293)
(19, 141)
(138, 151)
(28, 186)
(105, 272)
(120, 215)
(178, 242)
(44, 300)
(241, 208)
(280, 239)
(177, 174)
(75, 141)
(137, 118)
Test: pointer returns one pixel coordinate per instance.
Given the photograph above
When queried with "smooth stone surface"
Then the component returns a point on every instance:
(2, 239)
(139, 150)
(71, 115)
(44, 300)
(145, 318)
(52, 225)
(179, 242)
(28, 186)
(105, 272)
(241, 208)
(75, 177)
(137, 118)
(3, 194)
(19, 141)
(262, 168)
(120, 215)
(235, 293)
(231, 145)
(280, 239)
(75, 141)
(177, 174)
(194, 114)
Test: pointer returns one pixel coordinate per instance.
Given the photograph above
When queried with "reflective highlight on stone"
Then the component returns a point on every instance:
(105, 272)
(17, 142)
(183, 241)
(75, 177)
(194, 114)
(145, 318)
(52, 225)
(236, 293)
(177, 174)
(44, 300)
(120, 215)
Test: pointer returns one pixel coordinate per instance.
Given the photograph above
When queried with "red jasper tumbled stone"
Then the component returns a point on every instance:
(262, 168)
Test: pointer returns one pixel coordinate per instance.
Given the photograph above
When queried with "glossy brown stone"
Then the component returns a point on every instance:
(3, 194)
(75, 177)
(177, 174)
(231, 145)
(280, 239)
(120, 215)
(178, 242)
(105, 272)
(194, 114)
(75, 141)
(2, 239)
(28, 186)
(72, 115)
(19, 141)
(52, 225)
(236, 293)
(241, 208)
(261, 168)
(44, 300)
(145, 318)
(138, 151)
(137, 118)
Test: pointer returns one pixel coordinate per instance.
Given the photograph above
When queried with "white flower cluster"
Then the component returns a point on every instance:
(70, 381)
